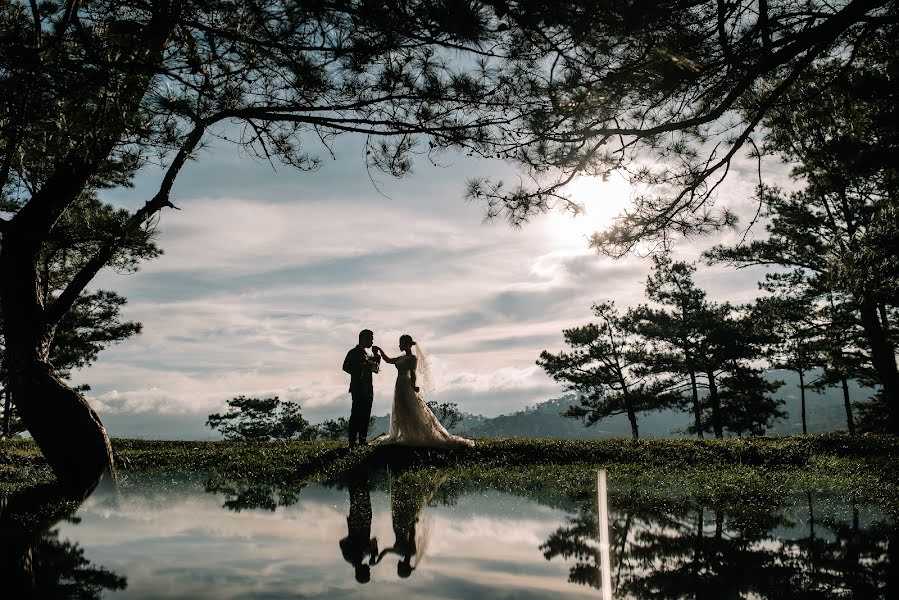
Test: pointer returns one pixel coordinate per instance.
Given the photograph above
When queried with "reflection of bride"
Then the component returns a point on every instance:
(411, 421)
(411, 526)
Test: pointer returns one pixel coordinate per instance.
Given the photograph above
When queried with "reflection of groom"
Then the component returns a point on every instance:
(358, 544)
(360, 365)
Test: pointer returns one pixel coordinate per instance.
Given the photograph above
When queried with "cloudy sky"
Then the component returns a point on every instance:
(269, 274)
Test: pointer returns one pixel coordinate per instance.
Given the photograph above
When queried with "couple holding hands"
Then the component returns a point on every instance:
(411, 421)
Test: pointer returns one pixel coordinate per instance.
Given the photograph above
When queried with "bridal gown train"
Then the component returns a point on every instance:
(411, 421)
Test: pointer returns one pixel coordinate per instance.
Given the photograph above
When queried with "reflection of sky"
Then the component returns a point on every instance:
(268, 276)
(181, 543)
(171, 539)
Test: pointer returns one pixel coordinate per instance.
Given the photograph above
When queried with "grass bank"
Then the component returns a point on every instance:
(867, 466)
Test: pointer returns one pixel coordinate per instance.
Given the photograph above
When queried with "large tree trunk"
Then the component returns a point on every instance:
(802, 399)
(65, 427)
(62, 423)
(697, 408)
(883, 355)
(850, 421)
(717, 423)
(7, 406)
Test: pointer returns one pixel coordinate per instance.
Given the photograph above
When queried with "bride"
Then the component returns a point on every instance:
(411, 421)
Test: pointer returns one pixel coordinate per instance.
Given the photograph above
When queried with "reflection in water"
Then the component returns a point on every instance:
(34, 562)
(731, 550)
(243, 495)
(358, 543)
(602, 501)
(171, 538)
(411, 530)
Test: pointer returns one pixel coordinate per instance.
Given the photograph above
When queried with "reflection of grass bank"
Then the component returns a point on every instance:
(754, 470)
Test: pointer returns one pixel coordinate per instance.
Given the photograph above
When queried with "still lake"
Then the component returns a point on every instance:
(379, 535)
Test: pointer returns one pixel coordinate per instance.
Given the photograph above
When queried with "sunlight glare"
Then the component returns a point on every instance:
(602, 202)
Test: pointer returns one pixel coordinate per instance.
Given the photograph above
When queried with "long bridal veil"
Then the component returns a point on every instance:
(423, 376)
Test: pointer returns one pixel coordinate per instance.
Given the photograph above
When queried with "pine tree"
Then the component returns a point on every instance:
(831, 239)
(605, 368)
(674, 333)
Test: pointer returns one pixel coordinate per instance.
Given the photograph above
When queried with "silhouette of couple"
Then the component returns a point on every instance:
(407, 503)
(411, 421)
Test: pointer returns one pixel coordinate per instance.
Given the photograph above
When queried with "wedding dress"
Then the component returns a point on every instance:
(411, 421)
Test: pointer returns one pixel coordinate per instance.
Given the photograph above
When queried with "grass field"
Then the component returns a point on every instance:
(742, 469)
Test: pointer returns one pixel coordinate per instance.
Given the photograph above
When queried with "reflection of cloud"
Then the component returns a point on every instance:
(172, 540)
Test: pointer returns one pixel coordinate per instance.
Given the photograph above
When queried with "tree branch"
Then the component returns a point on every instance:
(68, 16)
(161, 200)
(36, 15)
(37, 217)
(677, 205)
(810, 43)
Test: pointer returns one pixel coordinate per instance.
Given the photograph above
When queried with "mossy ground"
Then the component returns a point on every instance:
(755, 470)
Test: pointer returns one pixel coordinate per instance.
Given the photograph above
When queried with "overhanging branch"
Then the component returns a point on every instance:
(161, 200)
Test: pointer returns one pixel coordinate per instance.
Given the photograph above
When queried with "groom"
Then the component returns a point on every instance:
(360, 365)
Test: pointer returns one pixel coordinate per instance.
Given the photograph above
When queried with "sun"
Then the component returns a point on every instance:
(602, 202)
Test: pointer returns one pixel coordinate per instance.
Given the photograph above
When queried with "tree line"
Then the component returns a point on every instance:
(267, 419)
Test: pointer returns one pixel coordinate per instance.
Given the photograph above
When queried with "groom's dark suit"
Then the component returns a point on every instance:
(361, 390)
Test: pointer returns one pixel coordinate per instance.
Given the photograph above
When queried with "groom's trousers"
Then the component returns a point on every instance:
(360, 413)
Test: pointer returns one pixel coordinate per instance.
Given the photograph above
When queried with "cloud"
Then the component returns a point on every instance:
(267, 278)
(169, 538)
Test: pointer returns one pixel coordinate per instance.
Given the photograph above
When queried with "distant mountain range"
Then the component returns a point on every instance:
(824, 412)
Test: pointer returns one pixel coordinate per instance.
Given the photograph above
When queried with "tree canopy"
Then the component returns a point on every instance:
(261, 420)
(830, 240)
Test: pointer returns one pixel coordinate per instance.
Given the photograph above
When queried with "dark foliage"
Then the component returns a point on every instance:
(261, 420)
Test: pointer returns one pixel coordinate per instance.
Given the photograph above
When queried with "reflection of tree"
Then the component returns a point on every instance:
(247, 495)
(34, 562)
(839, 558)
(692, 556)
(683, 550)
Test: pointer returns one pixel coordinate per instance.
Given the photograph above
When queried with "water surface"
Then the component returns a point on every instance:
(380, 535)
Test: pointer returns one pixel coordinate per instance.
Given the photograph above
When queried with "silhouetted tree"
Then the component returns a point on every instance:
(738, 396)
(839, 127)
(797, 333)
(674, 333)
(605, 368)
(747, 404)
(338, 429)
(845, 353)
(261, 420)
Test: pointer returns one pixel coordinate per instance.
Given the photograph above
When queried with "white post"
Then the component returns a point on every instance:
(602, 495)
